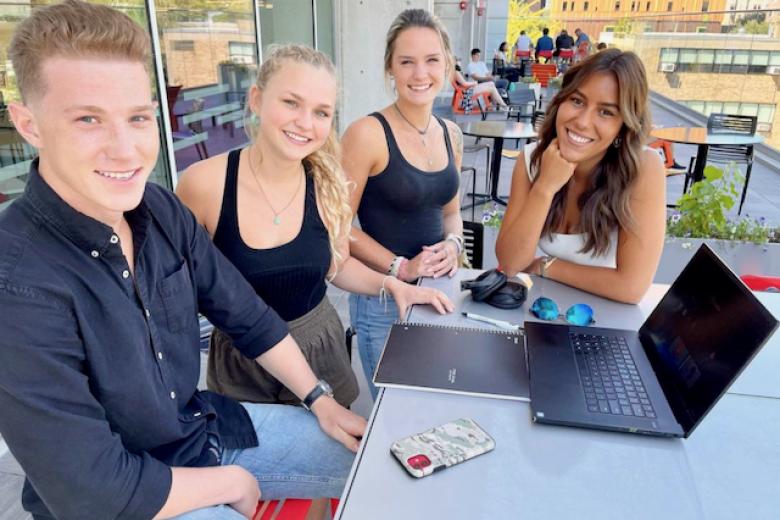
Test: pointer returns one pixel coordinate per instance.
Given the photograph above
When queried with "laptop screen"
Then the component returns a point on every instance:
(702, 334)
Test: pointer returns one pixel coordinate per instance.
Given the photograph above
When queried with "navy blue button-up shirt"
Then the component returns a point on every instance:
(99, 367)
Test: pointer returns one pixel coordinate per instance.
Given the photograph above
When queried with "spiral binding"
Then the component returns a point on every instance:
(458, 328)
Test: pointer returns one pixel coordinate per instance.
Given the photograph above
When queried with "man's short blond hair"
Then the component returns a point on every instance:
(73, 29)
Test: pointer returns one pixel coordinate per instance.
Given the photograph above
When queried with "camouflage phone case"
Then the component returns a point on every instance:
(442, 447)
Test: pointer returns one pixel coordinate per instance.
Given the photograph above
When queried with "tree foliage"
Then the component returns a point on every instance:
(526, 16)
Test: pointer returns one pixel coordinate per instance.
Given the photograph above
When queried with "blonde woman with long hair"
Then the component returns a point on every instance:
(279, 210)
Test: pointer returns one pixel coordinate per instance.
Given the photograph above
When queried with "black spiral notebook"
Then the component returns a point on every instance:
(438, 358)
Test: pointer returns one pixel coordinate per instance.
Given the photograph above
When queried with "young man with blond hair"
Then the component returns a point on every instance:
(101, 278)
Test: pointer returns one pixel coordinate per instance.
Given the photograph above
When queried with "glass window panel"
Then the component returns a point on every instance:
(688, 55)
(712, 107)
(749, 109)
(706, 56)
(766, 113)
(669, 55)
(723, 57)
(207, 82)
(741, 57)
(774, 58)
(325, 27)
(697, 105)
(731, 108)
(760, 58)
(286, 21)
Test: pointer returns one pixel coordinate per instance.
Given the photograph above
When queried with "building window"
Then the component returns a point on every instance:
(565, 4)
(718, 61)
(184, 45)
(585, 7)
(617, 6)
(647, 7)
(633, 6)
(242, 52)
(705, 6)
(572, 6)
(669, 6)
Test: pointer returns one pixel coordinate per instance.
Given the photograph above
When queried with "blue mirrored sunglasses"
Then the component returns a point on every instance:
(578, 314)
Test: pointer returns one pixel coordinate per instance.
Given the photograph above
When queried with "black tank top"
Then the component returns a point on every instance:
(402, 206)
(290, 277)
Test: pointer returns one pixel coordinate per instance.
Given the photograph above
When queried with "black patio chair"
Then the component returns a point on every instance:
(473, 242)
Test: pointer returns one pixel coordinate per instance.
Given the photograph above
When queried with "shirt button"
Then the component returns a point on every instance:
(114, 239)
(147, 312)
(160, 355)
(95, 254)
(125, 274)
(173, 395)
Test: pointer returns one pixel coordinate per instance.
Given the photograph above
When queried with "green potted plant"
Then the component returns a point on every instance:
(748, 245)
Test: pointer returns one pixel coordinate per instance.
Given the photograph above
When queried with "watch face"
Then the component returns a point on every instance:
(326, 387)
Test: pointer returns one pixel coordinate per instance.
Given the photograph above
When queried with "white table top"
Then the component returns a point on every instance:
(727, 469)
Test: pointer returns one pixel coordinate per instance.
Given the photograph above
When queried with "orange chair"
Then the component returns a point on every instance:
(566, 54)
(543, 72)
(666, 148)
(292, 509)
(545, 54)
(459, 96)
(522, 54)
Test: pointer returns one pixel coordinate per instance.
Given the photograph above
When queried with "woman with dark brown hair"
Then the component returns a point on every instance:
(589, 194)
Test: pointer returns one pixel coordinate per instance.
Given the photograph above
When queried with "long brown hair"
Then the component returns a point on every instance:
(604, 204)
(323, 164)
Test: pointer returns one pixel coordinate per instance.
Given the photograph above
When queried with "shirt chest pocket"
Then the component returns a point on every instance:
(177, 299)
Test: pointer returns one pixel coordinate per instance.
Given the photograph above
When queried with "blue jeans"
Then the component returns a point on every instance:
(371, 320)
(295, 458)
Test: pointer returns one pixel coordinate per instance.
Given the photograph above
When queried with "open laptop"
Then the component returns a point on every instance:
(661, 380)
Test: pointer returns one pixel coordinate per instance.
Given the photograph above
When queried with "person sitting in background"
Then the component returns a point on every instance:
(581, 44)
(563, 41)
(478, 88)
(589, 194)
(524, 43)
(544, 45)
(500, 53)
(478, 71)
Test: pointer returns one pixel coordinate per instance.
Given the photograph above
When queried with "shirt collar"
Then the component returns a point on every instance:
(84, 231)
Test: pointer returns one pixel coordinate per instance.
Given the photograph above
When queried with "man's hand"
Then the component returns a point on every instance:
(406, 295)
(338, 422)
(247, 492)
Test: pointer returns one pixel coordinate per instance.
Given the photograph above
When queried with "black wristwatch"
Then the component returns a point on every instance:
(321, 388)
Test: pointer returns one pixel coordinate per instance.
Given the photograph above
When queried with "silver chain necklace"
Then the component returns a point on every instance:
(277, 214)
(422, 132)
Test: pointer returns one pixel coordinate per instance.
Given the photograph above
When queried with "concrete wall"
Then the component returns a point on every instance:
(360, 30)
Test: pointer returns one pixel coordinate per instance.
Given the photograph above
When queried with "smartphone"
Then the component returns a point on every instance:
(433, 450)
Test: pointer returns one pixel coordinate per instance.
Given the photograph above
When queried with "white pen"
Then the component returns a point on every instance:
(498, 323)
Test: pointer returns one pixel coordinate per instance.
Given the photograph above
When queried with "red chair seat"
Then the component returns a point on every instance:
(761, 283)
(566, 53)
(523, 54)
(545, 54)
(292, 509)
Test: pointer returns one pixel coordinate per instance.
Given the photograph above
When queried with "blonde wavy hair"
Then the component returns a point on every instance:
(324, 164)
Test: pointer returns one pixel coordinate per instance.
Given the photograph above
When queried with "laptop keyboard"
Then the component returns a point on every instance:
(609, 376)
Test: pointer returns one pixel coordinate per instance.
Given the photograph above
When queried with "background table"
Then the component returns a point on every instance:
(700, 137)
(498, 131)
(727, 469)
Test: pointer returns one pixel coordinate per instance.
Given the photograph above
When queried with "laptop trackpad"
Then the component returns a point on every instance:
(553, 368)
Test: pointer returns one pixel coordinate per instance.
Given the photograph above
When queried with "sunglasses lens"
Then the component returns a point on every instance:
(580, 314)
(545, 309)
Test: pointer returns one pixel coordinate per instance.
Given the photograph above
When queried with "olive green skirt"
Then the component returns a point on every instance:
(320, 336)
